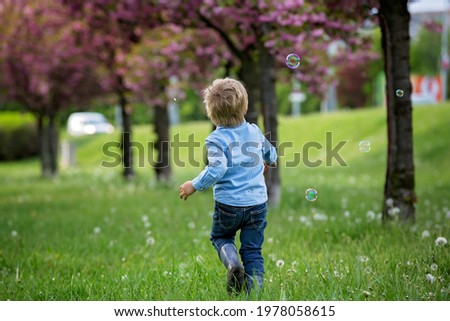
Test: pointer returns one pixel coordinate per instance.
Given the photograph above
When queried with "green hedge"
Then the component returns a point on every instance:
(18, 136)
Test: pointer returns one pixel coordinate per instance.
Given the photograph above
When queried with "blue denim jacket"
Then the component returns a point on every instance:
(236, 157)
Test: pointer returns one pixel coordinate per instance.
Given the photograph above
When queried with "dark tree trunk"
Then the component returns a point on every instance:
(48, 144)
(43, 146)
(249, 74)
(269, 111)
(400, 184)
(52, 144)
(127, 152)
(163, 169)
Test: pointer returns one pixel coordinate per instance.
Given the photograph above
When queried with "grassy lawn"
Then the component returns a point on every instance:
(89, 235)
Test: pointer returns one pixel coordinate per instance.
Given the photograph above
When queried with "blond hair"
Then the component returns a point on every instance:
(226, 102)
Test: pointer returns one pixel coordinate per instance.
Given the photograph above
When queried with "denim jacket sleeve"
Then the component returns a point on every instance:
(216, 168)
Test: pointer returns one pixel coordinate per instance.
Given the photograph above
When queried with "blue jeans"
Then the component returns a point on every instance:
(251, 221)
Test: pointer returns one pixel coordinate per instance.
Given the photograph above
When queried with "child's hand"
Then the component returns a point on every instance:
(186, 190)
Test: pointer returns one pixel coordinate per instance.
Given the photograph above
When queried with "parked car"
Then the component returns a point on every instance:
(88, 123)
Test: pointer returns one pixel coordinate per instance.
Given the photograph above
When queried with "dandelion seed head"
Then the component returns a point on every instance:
(320, 217)
(280, 263)
(425, 234)
(433, 267)
(389, 202)
(14, 233)
(150, 241)
(363, 259)
(430, 277)
(440, 241)
(191, 225)
(97, 230)
(371, 215)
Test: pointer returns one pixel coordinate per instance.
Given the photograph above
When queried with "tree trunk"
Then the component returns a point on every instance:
(400, 184)
(249, 74)
(43, 146)
(127, 152)
(52, 144)
(269, 110)
(163, 169)
(48, 144)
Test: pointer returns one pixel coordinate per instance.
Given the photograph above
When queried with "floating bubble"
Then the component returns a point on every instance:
(399, 93)
(311, 194)
(364, 146)
(373, 11)
(292, 61)
(174, 99)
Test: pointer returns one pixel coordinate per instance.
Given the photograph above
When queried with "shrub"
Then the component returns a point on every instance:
(18, 136)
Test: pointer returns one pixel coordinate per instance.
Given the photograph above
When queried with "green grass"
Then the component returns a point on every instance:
(89, 235)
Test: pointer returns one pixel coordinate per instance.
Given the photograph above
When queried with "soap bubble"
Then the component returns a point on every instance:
(311, 194)
(292, 61)
(399, 93)
(364, 146)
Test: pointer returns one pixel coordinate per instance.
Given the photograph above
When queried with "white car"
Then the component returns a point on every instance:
(88, 123)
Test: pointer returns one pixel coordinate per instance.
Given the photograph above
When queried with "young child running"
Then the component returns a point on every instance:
(237, 156)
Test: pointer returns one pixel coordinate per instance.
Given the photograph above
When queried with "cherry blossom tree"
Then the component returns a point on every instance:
(260, 34)
(45, 68)
(115, 27)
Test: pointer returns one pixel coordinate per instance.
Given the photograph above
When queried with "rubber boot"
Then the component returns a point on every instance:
(235, 270)
(253, 283)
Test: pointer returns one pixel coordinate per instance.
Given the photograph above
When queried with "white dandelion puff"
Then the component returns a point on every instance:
(433, 267)
(97, 230)
(425, 234)
(347, 213)
(191, 225)
(440, 241)
(280, 263)
(363, 259)
(150, 241)
(370, 215)
(14, 233)
(393, 211)
(320, 217)
(144, 218)
(430, 278)
(389, 202)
